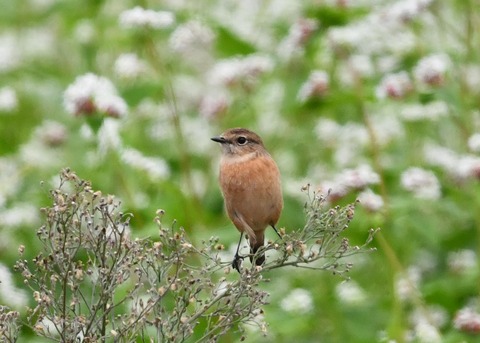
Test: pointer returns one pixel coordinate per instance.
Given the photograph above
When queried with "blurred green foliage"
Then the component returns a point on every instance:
(46, 44)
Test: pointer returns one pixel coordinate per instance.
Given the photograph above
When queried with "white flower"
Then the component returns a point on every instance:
(253, 21)
(298, 300)
(51, 133)
(423, 183)
(460, 166)
(467, 166)
(394, 86)
(297, 36)
(12, 296)
(406, 286)
(462, 261)
(474, 142)
(382, 31)
(327, 130)
(230, 71)
(214, 104)
(433, 315)
(10, 56)
(140, 17)
(41, 5)
(334, 188)
(38, 153)
(471, 75)
(21, 214)
(358, 65)
(38, 42)
(10, 179)
(467, 320)
(427, 333)
(85, 31)
(407, 10)
(387, 128)
(371, 201)
(8, 99)
(316, 86)
(431, 70)
(129, 66)
(347, 139)
(441, 157)
(349, 179)
(375, 34)
(350, 293)
(431, 111)
(156, 168)
(109, 137)
(191, 37)
(386, 64)
(359, 177)
(91, 93)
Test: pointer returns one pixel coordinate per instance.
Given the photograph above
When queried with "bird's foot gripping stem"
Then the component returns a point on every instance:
(237, 262)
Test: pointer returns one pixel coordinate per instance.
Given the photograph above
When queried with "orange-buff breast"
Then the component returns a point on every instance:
(252, 192)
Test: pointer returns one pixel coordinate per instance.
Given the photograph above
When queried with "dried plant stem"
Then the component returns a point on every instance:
(92, 281)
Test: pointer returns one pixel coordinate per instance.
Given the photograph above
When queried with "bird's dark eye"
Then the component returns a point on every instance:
(241, 140)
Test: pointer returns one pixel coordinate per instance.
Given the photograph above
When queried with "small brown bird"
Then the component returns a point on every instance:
(251, 187)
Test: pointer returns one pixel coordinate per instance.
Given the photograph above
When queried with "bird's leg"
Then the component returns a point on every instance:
(237, 259)
(273, 226)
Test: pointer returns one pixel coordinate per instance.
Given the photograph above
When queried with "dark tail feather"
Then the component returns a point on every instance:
(260, 259)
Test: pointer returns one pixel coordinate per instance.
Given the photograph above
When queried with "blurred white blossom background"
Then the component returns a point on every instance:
(375, 100)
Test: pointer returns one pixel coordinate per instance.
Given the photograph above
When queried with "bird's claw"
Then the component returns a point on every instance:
(237, 262)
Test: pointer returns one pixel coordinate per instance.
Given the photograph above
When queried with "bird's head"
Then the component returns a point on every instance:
(239, 142)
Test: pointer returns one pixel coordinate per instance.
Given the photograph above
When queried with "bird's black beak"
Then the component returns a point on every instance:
(219, 139)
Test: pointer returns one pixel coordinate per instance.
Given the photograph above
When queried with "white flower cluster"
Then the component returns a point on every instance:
(467, 320)
(461, 167)
(359, 177)
(471, 75)
(347, 139)
(431, 111)
(8, 99)
(371, 36)
(297, 37)
(156, 168)
(370, 201)
(395, 85)
(407, 10)
(431, 69)
(191, 36)
(426, 333)
(108, 136)
(316, 86)
(350, 293)
(21, 214)
(234, 70)
(10, 179)
(406, 285)
(139, 17)
(214, 104)
(350, 179)
(51, 133)
(129, 66)
(474, 142)
(298, 300)
(10, 56)
(8, 292)
(422, 183)
(462, 261)
(91, 93)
